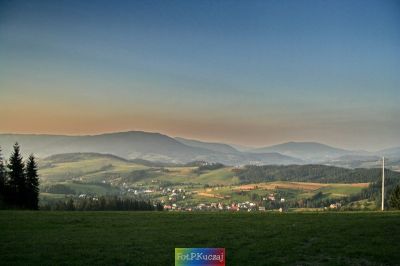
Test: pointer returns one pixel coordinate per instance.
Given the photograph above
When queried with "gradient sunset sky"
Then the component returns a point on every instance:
(247, 72)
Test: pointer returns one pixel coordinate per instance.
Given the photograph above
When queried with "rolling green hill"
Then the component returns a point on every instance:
(90, 167)
(93, 173)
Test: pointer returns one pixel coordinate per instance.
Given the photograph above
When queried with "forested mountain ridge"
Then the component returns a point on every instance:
(311, 173)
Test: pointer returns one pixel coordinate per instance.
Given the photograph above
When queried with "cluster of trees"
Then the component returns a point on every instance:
(310, 173)
(374, 192)
(64, 189)
(316, 201)
(394, 200)
(58, 189)
(319, 200)
(19, 182)
(102, 204)
(208, 167)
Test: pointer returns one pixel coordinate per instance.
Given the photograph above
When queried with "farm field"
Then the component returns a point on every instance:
(292, 190)
(149, 238)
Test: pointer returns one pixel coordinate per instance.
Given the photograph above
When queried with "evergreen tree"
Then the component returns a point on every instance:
(16, 177)
(2, 180)
(32, 184)
(394, 199)
(70, 205)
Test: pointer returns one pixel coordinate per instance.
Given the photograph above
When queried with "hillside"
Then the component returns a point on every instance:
(359, 161)
(306, 150)
(79, 171)
(311, 173)
(74, 174)
(212, 146)
(129, 145)
(94, 173)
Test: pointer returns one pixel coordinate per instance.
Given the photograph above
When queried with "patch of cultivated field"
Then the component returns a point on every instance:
(210, 195)
(149, 238)
(299, 189)
(298, 186)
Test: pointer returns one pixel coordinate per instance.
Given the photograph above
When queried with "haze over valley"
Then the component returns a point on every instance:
(157, 147)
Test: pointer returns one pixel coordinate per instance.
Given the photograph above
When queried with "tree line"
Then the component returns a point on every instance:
(310, 173)
(207, 167)
(19, 182)
(392, 192)
(103, 203)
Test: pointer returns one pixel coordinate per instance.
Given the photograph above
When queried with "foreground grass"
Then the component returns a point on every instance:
(139, 238)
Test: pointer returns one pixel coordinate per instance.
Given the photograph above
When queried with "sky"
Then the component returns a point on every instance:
(253, 73)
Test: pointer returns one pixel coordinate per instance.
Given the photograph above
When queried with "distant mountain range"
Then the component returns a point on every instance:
(310, 151)
(213, 146)
(390, 153)
(161, 148)
(140, 145)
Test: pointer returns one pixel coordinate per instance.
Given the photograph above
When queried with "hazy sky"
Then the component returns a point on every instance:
(246, 72)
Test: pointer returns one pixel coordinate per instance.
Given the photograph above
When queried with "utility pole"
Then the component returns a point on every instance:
(383, 183)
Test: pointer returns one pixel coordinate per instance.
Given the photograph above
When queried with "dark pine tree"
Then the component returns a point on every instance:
(394, 200)
(32, 184)
(16, 176)
(2, 180)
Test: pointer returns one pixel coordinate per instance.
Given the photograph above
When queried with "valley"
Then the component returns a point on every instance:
(192, 175)
(205, 186)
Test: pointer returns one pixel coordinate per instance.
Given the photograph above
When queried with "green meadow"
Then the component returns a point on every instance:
(92, 168)
(149, 238)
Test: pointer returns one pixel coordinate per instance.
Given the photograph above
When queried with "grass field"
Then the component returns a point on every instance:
(138, 238)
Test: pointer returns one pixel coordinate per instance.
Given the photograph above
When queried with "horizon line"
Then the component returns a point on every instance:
(195, 139)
